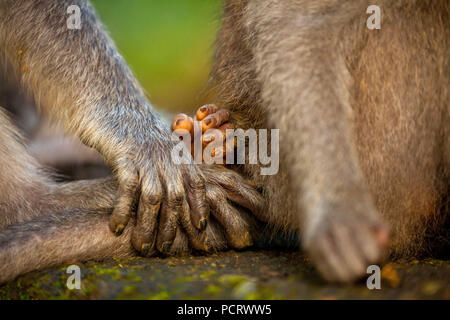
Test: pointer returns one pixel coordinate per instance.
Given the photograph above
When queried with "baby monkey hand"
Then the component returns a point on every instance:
(212, 124)
(224, 188)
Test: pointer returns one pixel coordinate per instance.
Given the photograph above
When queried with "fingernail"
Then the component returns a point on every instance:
(178, 121)
(119, 229)
(209, 121)
(166, 247)
(202, 224)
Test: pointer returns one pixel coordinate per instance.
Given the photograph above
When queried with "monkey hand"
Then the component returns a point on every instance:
(343, 242)
(173, 195)
(213, 123)
(224, 187)
(232, 224)
(154, 188)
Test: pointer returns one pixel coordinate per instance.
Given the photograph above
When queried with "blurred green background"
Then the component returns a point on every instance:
(167, 43)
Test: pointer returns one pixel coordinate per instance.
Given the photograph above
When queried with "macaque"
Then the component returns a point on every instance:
(364, 122)
(364, 128)
(150, 206)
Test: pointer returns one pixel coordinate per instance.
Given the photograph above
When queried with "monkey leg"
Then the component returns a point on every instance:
(48, 240)
(75, 228)
(52, 148)
(403, 136)
(77, 235)
(28, 191)
(310, 103)
(23, 182)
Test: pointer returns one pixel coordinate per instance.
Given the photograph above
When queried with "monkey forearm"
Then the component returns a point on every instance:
(310, 95)
(80, 80)
(76, 75)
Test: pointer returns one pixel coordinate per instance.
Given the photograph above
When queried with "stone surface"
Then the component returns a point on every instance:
(228, 275)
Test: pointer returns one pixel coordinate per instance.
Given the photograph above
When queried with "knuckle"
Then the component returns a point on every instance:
(152, 196)
(151, 190)
(197, 184)
(176, 200)
(153, 199)
(175, 195)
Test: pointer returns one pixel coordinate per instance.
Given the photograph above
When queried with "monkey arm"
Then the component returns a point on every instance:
(305, 86)
(78, 78)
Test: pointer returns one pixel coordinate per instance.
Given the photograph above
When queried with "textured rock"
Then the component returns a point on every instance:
(229, 275)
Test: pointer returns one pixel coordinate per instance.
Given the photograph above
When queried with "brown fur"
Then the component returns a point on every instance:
(364, 140)
(80, 82)
(43, 223)
(363, 118)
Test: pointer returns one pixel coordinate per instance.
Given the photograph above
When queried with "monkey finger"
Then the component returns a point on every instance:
(352, 259)
(235, 226)
(144, 233)
(196, 152)
(215, 236)
(170, 211)
(218, 152)
(205, 110)
(382, 234)
(368, 239)
(197, 239)
(225, 126)
(196, 197)
(250, 199)
(167, 228)
(238, 190)
(125, 199)
(327, 261)
(180, 244)
(211, 135)
(182, 122)
(215, 120)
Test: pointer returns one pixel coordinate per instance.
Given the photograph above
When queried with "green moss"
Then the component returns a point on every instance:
(130, 292)
(213, 290)
(255, 275)
(162, 295)
(207, 274)
(231, 280)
